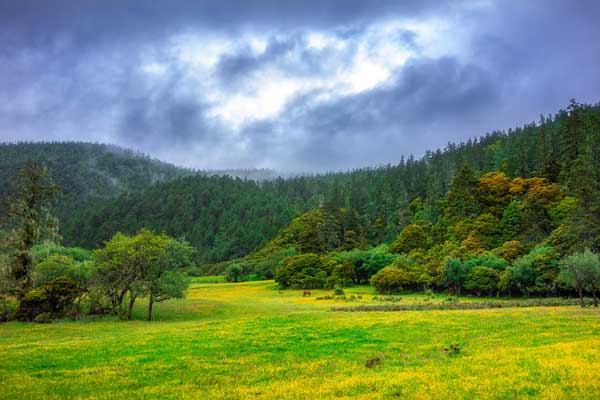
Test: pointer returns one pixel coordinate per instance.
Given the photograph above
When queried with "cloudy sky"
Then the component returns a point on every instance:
(292, 85)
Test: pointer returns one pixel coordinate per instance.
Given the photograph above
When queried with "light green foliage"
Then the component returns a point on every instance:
(581, 271)
(58, 265)
(141, 265)
(487, 259)
(46, 249)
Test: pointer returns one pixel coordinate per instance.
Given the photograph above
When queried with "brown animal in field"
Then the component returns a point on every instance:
(306, 293)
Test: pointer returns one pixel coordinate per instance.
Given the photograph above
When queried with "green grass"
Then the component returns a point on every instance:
(252, 341)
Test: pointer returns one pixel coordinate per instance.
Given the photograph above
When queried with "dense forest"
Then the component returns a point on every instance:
(107, 189)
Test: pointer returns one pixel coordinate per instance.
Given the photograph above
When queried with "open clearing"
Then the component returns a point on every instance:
(251, 341)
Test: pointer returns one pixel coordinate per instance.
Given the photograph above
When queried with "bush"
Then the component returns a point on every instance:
(54, 298)
(338, 291)
(33, 303)
(43, 318)
(305, 271)
(389, 280)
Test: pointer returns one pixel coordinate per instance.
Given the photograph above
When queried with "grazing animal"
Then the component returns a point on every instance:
(306, 293)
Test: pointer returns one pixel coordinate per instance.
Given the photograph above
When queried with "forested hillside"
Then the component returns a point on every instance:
(86, 173)
(224, 224)
(227, 218)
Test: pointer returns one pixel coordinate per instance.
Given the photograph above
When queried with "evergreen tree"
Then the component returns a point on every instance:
(29, 221)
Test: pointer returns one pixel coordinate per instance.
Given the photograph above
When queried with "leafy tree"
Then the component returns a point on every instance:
(234, 273)
(58, 265)
(493, 192)
(304, 271)
(455, 273)
(581, 271)
(511, 222)
(165, 279)
(482, 280)
(510, 250)
(53, 298)
(143, 265)
(389, 280)
(414, 236)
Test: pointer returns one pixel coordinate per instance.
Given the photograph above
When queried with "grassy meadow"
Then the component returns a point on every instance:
(252, 341)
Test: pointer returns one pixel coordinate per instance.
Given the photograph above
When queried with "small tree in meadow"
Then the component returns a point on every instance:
(581, 271)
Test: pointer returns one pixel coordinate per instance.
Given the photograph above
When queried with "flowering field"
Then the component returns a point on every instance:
(251, 341)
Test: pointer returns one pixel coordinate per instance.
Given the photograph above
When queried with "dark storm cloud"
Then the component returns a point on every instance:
(113, 71)
(426, 96)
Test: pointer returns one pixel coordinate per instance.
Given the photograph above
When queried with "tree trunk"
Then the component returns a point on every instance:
(581, 296)
(130, 307)
(595, 298)
(150, 304)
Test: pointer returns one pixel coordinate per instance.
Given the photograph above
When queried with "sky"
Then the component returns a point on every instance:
(291, 85)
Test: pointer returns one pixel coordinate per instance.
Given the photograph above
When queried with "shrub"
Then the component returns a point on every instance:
(338, 291)
(389, 280)
(43, 318)
(54, 298)
(34, 302)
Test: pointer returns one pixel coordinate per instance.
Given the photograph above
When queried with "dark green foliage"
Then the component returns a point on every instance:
(455, 273)
(482, 280)
(508, 194)
(234, 273)
(227, 218)
(304, 271)
(462, 195)
(29, 222)
(54, 298)
(390, 280)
